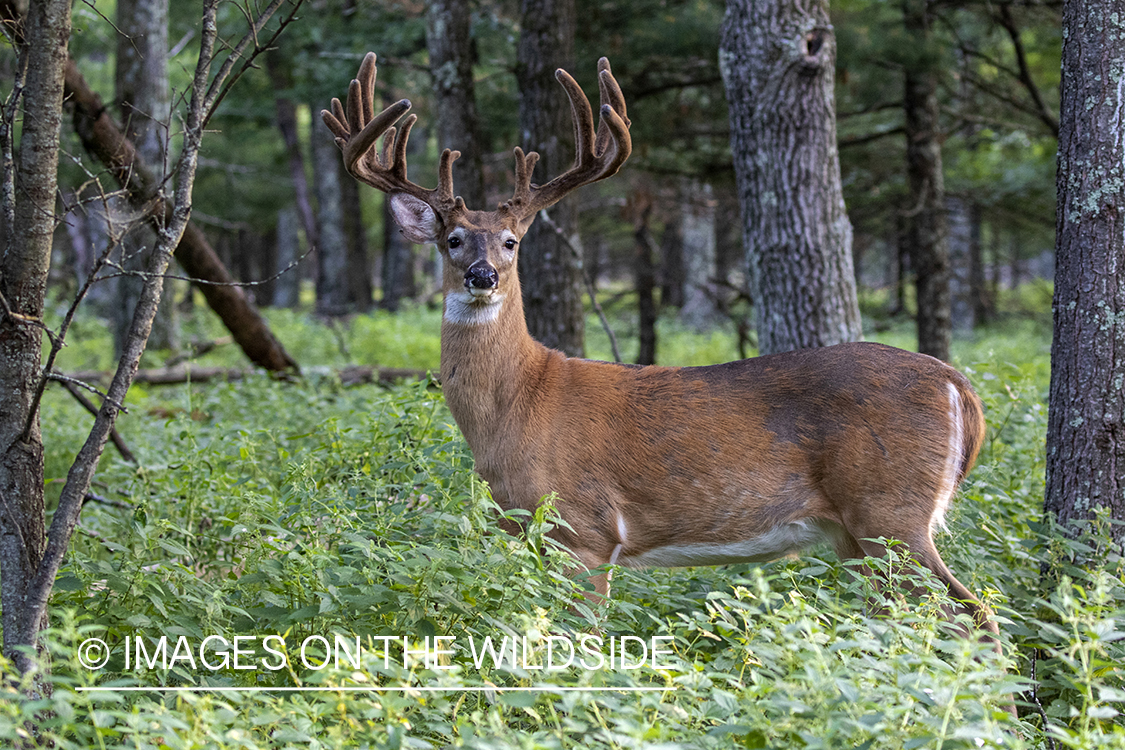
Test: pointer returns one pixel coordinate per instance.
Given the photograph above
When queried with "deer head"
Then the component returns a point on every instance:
(479, 247)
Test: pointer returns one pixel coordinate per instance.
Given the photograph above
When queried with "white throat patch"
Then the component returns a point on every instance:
(464, 309)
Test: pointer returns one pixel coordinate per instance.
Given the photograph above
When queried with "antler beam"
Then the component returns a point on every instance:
(598, 156)
(357, 128)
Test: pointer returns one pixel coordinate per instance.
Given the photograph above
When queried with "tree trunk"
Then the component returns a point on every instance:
(551, 274)
(1085, 438)
(979, 292)
(778, 63)
(278, 68)
(144, 103)
(699, 309)
(450, 44)
(287, 290)
(1015, 267)
(332, 248)
(104, 140)
(23, 280)
(359, 292)
(672, 270)
(926, 228)
(960, 222)
(644, 275)
(399, 279)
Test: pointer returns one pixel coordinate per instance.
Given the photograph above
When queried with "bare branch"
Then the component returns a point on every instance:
(859, 140)
(1041, 109)
(88, 405)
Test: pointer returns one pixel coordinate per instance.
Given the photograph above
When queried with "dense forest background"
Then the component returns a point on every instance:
(269, 177)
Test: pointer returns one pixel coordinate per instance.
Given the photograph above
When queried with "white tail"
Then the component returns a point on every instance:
(669, 466)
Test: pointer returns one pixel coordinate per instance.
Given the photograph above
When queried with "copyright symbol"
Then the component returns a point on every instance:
(93, 653)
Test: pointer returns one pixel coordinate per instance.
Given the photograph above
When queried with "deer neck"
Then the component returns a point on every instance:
(488, 365)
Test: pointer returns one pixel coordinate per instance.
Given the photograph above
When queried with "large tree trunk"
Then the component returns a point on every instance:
(105, 141)
(926, 227)
(1085, 439)
(23, 279)
(551, 274)
(450, 44)
(144, 103)
(778, 63)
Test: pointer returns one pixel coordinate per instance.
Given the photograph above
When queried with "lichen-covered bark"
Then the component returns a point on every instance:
(778, 58)
(1085, 436)
(549, 271)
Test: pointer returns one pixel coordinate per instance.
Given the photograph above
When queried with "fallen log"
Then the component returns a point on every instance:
(348, 375)
(103, 139)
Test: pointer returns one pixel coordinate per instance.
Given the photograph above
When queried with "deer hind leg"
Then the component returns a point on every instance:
(857, 543)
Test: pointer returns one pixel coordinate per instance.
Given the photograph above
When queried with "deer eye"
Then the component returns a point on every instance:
(510, 243)
(454, 242)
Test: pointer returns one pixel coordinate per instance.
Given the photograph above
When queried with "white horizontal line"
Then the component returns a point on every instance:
(360, 689)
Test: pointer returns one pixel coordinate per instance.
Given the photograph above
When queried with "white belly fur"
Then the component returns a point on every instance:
(778, 541)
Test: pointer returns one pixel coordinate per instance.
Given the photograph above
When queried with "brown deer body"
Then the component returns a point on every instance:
(667, 466)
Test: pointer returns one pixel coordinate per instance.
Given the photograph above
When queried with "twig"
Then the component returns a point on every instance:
(122, 271)
(198, 349)
(589, 282)
(88, 405)
(92, 498)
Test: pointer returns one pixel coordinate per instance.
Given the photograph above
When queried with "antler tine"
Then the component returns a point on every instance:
(597, 156)
(611, 96)
(357, 128)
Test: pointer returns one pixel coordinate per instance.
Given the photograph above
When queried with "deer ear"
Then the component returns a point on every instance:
(417, 220)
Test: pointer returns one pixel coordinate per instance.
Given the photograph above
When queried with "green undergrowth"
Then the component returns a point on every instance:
(308, 510)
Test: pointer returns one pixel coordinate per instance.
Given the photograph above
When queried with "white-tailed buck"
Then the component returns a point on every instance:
(668, 466)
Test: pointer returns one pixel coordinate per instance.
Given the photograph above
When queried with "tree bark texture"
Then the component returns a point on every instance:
(144, 102)
(1085, 435)
(23, 281)
(778, 58)
(450, 44)
(549, 271)
(926, 225)
(103, 139)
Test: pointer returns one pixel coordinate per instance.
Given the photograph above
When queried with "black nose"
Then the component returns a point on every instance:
(482, 276)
